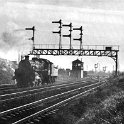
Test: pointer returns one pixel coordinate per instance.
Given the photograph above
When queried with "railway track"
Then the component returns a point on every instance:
(32, 112)
(13, 91)
(9, 101)
(23, 91)
(9, 88)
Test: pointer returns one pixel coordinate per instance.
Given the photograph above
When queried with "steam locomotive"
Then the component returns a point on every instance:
(35, 72)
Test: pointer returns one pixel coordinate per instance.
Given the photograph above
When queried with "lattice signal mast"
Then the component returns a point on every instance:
(59, 32)
(70, 30)
(81, 33)
(32, 38)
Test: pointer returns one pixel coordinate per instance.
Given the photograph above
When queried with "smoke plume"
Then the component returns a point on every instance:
(14, 38)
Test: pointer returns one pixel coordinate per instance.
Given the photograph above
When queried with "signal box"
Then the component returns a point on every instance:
(77, 69)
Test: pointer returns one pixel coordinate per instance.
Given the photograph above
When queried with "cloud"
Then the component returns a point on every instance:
(100, 25)
(46, 13)
(99, 4)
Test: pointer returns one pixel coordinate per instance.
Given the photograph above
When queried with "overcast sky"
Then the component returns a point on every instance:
(102, 21)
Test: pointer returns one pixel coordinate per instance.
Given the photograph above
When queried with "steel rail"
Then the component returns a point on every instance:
(42, 101)
(31, 97)
(34, 90)
(27, 119)
(44, 91)
(10, 90)
(6, 104)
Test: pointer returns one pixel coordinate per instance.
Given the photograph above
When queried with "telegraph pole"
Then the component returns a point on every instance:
(32, 38)
(59, 32)
(81, 33)
(70, 30)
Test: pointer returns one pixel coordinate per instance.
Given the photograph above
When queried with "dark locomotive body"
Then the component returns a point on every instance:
(35, 72)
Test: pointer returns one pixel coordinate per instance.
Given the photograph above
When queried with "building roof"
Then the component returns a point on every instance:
(77, 61)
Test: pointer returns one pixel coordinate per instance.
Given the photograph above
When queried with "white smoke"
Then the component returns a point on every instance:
(14, 39)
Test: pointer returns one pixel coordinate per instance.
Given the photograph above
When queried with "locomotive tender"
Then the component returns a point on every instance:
(35, 72)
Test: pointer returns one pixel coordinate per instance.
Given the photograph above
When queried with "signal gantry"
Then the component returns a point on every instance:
(83, 50)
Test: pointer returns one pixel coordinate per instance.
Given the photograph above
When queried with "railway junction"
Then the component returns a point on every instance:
(30, 105)
(48, 100)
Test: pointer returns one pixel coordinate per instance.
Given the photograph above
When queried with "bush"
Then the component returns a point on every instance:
(103, 106)
(6, 74)
(111, 110)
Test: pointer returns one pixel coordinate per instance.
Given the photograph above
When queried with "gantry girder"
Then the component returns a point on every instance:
(77, 52)
(113, 53)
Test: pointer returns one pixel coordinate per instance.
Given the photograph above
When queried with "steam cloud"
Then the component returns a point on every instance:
(14, 39)
(10, 39)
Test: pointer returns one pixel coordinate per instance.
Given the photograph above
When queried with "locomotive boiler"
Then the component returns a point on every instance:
(35, 72)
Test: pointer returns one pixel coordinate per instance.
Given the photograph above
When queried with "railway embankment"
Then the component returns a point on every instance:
(104, 106)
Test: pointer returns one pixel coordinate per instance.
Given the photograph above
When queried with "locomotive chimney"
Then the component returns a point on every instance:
(26, 57)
